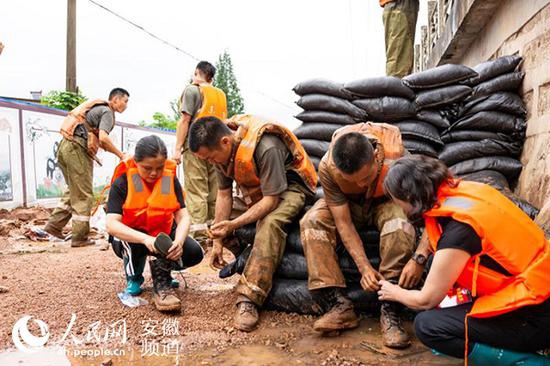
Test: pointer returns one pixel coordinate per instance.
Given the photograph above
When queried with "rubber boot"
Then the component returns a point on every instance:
(341, 314)
(164, 297)
(134, 284)
(134, 275)
(483, 354)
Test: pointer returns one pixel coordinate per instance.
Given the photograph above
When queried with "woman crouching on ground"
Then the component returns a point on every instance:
(146, 215)
(482, 242)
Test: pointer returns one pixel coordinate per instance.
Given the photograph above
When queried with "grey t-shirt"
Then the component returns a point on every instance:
(273, 160)
(100, 117)
(191, 100)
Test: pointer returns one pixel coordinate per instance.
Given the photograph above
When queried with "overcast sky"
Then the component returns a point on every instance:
(273, 44)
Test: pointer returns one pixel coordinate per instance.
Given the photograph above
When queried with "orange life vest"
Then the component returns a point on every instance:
(388, 148)
(242, 167)
(214, 103)
(508, 236)
(145, 209)
(384, 2)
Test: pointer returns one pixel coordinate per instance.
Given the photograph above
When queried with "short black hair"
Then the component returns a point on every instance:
(351, 152)
(207, 69)
(207, 132)
(116, 92)
(150, 147)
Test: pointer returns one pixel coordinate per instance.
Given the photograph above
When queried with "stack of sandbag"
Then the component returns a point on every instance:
(326, 108)
(490, 130)
(290, 291)
(438, 94)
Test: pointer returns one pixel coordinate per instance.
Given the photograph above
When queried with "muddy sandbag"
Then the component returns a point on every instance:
(316, 131)
(491, 121)
(325, 117)
(509, 167)
(490, 69)
(315, 147)
(456, 152)
(294, 296)
(507, 82)
(474, 135)
(439, 76)
(419, 148)
(442, 96)
(498, 181)
(316, 161)
(387, 109)
(379, 87)
(316, 102)
(506, 102)
(321, 86)
(434, 117)
(418, 130)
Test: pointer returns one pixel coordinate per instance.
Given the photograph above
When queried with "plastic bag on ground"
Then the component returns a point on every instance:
(325, 117)
(321, 86)
(320, 102)
(316, 131)
(456, 152)
(387, 109)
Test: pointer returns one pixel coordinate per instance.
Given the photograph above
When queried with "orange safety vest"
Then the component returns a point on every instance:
(389, 147)
(214, 103)
(242, 166)
(145, 209)
(508, 236)
(384, 2)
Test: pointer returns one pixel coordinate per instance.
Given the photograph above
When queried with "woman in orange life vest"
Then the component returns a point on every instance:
(482, 242)
(146, 213)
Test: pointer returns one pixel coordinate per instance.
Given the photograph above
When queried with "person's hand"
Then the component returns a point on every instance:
(177, 156)
(125, 156)
(150, 244)
(175, 251)
(370, 279)
(216, 258)
(410, 275)
(388, 291)
(221, 229)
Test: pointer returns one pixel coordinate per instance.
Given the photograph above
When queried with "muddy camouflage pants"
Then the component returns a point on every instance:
(77, 200)
(399, 19)
(320, 237)
(269, 246)
(201, 188)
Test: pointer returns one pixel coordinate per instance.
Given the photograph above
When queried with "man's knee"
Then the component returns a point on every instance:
(423, 327)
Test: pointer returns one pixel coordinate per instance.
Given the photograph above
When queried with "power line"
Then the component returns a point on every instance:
(188, 54)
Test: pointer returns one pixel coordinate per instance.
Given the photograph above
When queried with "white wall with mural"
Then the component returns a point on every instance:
(37, 179)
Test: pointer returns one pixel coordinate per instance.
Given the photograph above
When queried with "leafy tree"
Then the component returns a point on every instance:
(226, 81)
(63, 99)
(162, 120)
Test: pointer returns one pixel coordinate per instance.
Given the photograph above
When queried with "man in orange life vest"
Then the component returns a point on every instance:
(199, 99)
(85, 129)
(351, 174)
(274, 175)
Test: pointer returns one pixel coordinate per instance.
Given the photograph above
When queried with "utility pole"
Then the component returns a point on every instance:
(70, 80)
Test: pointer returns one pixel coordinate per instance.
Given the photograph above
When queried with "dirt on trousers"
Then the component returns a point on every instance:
(74, 292)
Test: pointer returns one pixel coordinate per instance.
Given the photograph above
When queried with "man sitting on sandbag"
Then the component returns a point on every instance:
(274, 175)
(351, 174)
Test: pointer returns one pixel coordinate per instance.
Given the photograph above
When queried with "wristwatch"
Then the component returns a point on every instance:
(420, 259)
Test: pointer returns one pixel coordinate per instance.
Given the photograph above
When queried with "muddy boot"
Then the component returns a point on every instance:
(164, 297)
(54, 232)
(392, 327)
(246, 316)
(341, 314)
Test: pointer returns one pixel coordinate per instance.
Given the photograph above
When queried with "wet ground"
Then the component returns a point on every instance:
(74, 292)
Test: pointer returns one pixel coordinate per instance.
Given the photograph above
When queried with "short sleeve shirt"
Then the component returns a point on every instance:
(101, 117)
(273, 160)
(191, 100)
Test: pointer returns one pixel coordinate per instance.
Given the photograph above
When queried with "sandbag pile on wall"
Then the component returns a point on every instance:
(438, 94)
(290, 292)
(489, 133)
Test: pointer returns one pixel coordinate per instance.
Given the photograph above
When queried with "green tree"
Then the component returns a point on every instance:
(226, 81)
(162, 120)
(63, 99)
